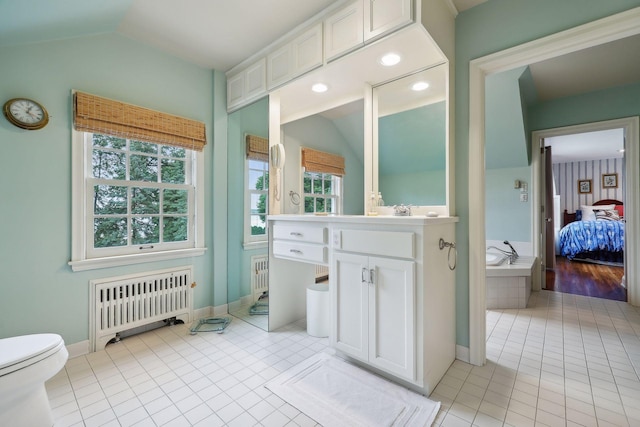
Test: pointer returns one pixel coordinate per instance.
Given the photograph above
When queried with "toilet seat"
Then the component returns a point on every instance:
(22, 351)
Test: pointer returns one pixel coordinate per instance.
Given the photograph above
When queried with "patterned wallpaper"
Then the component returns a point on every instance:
(566, 176)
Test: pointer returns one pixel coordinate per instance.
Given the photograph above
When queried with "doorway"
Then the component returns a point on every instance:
(591, 34)
(573, 261)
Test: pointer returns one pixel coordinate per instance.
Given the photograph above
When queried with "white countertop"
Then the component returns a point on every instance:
(364, 219)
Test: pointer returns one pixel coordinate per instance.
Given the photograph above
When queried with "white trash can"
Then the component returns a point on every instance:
(318, 306)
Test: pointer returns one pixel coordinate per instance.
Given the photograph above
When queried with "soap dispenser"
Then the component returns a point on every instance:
(380, 201)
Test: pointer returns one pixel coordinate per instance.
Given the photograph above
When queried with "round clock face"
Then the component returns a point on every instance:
(25, 113)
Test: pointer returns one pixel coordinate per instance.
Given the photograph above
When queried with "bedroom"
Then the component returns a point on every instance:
(585, 185)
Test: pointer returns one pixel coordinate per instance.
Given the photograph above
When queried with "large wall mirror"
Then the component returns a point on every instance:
(247, 247)
(412, 138)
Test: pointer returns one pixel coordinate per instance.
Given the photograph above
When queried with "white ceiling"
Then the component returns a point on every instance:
(606, 144)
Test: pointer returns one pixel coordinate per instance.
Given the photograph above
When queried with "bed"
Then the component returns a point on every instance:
(594, 233)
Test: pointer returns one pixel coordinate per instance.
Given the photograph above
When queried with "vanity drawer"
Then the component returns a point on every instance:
(398, 244)
(300, 232)
(314, 254)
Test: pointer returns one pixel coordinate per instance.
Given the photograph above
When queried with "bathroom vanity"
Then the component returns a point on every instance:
(391, 283)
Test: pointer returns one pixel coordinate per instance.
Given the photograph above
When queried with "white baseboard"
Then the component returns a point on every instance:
(200, 313)
(220, 310)
(78, 349)
(462, 353)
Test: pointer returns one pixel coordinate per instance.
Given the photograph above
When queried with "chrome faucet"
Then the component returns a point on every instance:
(511, 256)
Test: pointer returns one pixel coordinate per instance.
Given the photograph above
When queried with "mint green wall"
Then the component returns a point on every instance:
(39, 292)
(321, 134)
(491, 27)
(252, 119)
(507, 218)
(505, 138)
(614, 103)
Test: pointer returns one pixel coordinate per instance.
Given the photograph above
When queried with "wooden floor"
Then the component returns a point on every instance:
(583, 278)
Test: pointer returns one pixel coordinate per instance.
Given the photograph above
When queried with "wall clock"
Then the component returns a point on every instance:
(26, 113)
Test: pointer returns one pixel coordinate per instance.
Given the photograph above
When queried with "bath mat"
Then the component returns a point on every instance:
(336, 393)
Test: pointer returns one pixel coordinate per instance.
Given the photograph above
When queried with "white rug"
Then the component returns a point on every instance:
(336, 393)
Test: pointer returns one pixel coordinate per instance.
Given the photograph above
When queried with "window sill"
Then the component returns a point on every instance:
(117, 261)
(255, 245)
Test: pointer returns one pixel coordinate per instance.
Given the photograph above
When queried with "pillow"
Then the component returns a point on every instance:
(607, 215)
(588, 213)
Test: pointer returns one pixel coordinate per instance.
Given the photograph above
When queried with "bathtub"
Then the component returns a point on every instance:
(508, 285)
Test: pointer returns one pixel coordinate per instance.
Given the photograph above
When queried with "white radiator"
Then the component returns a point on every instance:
(259, 275)
(322, 271)
(121, 303)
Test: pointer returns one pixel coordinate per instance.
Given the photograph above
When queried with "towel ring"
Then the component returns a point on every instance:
(295, 197)
(452, 246)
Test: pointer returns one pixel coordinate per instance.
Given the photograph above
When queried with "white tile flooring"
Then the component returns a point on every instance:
(566, 360)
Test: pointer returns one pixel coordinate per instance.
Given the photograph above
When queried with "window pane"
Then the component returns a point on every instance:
(320, 205)
(108, 141)
(145, 230)
(145, 200)
(256, 180)
(307, 183)
(173, 171)
(170, 151)
(258, 203)
(328, 187)
(329, 205)
(174, 229)
(109, 232)
(175, 201)
(309, 205)
(144, 168)
(109, 199)
(258, 225)
(143, 147)
(108, 165)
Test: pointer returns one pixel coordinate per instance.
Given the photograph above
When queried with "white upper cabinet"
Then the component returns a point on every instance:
(296, 57)
(307, 50)
(247, 85)
(343, 30)
(384, 16)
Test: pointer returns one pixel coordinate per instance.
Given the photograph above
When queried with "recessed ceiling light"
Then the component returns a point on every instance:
(389, 59)
(419, 86)
(319, 87)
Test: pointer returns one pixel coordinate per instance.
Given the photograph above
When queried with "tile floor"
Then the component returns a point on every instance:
(566, 360)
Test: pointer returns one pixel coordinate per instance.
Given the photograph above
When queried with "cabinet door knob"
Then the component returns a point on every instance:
(295, 233)
(372, 276)
(295, 251)
(365, 279)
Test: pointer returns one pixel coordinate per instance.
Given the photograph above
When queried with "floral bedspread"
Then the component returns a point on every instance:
(587, 236)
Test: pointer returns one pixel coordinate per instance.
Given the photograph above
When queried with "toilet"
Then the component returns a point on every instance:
(26, 362)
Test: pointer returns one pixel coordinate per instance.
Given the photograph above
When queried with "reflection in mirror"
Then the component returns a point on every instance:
(248, 181)
(412, 138)
(339, 131)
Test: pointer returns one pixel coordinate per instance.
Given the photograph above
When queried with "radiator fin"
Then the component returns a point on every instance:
(259, 275)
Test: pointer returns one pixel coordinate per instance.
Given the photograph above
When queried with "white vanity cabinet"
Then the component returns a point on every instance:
(391, 287)
(374, 319)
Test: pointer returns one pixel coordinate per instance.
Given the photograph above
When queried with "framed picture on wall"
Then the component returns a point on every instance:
(609, 180)
(584, 186)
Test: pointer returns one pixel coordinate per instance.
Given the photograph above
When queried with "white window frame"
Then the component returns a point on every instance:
(85, 258)
(336, 195)
(251, 241)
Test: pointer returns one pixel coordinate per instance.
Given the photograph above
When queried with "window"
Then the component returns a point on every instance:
(322, 193)
(140, 195)
(256, 191)
(133, 200)
(322, 181)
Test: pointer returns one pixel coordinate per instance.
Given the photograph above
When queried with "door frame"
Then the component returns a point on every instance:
(601, 31)
(630, 125)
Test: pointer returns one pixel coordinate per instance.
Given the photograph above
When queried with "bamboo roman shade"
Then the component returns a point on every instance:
(319, 161)
(257, 148)
(101, 115)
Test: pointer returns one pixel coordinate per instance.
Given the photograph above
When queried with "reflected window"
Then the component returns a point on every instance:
(322, 193)
(257, 200)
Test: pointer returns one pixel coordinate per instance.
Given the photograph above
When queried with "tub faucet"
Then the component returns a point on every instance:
(511, 256)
